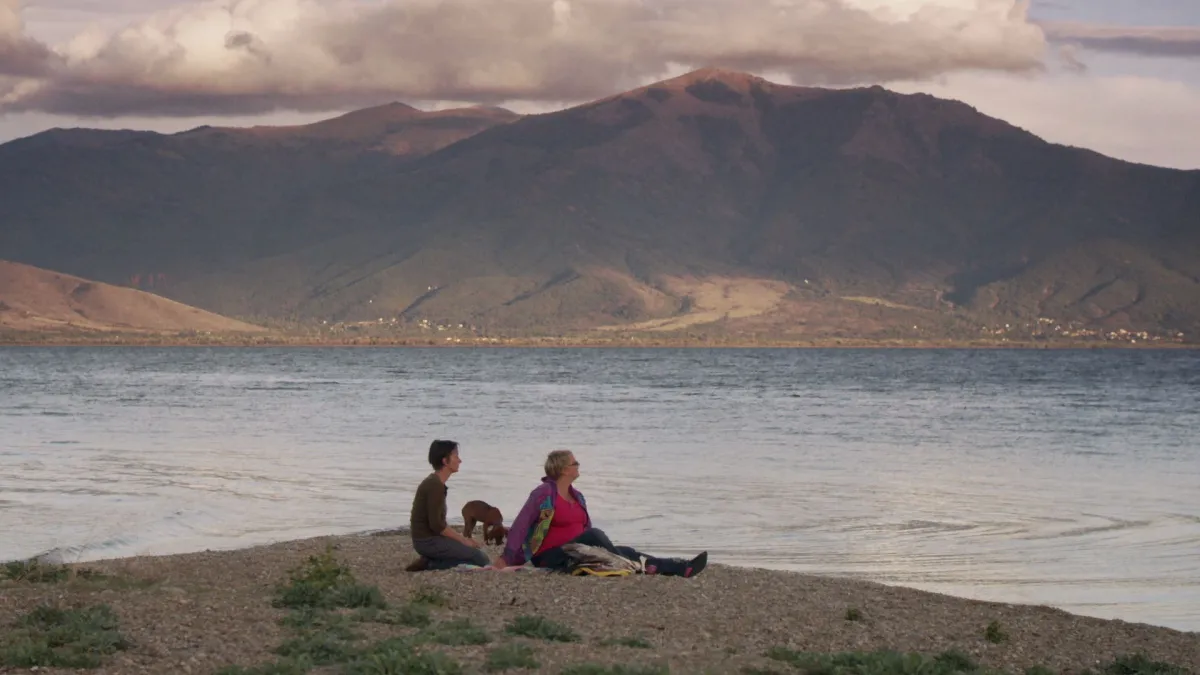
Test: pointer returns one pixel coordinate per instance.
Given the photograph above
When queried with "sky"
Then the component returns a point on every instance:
(1121, 77)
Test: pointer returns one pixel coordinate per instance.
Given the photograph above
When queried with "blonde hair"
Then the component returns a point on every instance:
(557, 462)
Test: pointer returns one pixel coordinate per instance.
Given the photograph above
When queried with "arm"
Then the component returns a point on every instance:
(519, 532)
(456, 535)
(436, 508)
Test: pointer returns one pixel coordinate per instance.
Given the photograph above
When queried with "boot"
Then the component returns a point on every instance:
(419, 565)
(677, 567)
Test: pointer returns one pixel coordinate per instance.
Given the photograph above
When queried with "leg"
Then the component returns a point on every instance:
(596, 537)
(468, 526)
(674, 567)
(557, 559)
(444, 553)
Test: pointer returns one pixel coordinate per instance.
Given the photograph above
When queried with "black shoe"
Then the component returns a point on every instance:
(419, 565)
(677, 567)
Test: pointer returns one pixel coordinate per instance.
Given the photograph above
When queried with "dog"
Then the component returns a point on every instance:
(479, 511)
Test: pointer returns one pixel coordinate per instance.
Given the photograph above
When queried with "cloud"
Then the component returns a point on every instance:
(20, 55)
(1175, 41)
(1069, 56)
(253, 56)
(1138, 119)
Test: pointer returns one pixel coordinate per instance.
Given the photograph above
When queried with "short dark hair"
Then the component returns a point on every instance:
(439, 452)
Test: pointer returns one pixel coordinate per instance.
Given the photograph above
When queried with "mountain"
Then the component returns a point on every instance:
(711, 200)
(34, 300)
(113, 205)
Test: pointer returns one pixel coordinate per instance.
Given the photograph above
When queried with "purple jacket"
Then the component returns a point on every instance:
(530, 526)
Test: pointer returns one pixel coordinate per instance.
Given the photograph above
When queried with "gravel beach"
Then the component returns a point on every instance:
(204, 612)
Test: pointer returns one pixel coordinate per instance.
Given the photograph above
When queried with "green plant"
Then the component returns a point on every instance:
(397, 657)
(635, 642)
(320, 648)
(322, 582)
(298, 666)
(1140, 664)
(65, 638)
(433, 597)
(318, 620)
(456, 632)
(510, 656)
(541, 628)
(416, 616)
(618, 669)
(852, 614)
(36, 571)
(875, 663)
(995, 633)
(358, 595)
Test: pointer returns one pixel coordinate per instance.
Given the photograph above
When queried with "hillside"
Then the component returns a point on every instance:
(115, 205)
(715, 199)
(34, 300)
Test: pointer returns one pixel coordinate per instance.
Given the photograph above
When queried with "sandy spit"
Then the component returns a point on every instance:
(199, 612)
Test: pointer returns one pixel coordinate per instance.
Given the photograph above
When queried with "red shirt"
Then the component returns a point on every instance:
(569, 522)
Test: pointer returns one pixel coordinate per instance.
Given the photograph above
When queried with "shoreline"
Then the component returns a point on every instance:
(202, 611)
(403, 531)
(584, 343)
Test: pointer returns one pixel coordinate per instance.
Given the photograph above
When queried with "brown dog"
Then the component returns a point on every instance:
(479, 511)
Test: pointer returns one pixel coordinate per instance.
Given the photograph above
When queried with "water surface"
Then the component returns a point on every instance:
(1066, 478)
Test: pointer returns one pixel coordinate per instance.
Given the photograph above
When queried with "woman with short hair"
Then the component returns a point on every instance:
(439, 545)
(556, 514)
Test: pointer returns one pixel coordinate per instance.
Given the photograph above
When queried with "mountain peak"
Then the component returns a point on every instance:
(733, 78)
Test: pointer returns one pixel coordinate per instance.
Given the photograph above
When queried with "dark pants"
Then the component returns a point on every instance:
(557, 559)
(444, 553)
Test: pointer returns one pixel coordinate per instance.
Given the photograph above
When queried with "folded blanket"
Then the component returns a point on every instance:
(597, 561)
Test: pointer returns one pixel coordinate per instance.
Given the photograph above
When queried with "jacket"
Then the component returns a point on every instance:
(530, 526)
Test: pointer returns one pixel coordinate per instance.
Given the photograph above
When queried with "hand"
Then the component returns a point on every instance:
(473, 544)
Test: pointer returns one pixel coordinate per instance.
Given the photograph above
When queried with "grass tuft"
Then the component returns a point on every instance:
(995, 633)
(320, 621)
(510, 656)
(630, 641)
(396, 656)
(617, 669)
(541, 628)
(38, 572)
(321, 648)
(413, 615)
(455, 633)
(1140, 664)
(323, 582)
(281, 667)
(64, 638)
(432, 597)
(853, 614)
(875, 663)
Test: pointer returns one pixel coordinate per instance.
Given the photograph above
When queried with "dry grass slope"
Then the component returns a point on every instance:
(33, 299)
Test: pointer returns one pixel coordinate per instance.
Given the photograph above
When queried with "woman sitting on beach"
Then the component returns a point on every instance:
(439, 545)
(556, 514)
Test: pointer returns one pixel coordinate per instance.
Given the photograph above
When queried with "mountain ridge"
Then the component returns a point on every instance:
(625, 210)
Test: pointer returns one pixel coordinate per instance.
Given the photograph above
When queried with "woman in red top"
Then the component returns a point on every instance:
(556, 514)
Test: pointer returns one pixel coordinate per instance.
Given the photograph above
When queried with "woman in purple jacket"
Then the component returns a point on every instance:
(556, 514)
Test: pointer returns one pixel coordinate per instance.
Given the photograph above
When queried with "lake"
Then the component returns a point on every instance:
(1066, 478)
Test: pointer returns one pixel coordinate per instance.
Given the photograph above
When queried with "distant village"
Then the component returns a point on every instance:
(1045, 328)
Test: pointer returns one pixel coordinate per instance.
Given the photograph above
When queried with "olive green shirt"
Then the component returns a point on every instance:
(428, 516)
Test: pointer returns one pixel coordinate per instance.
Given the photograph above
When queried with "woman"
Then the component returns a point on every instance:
(439, 545)
(556, 514)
